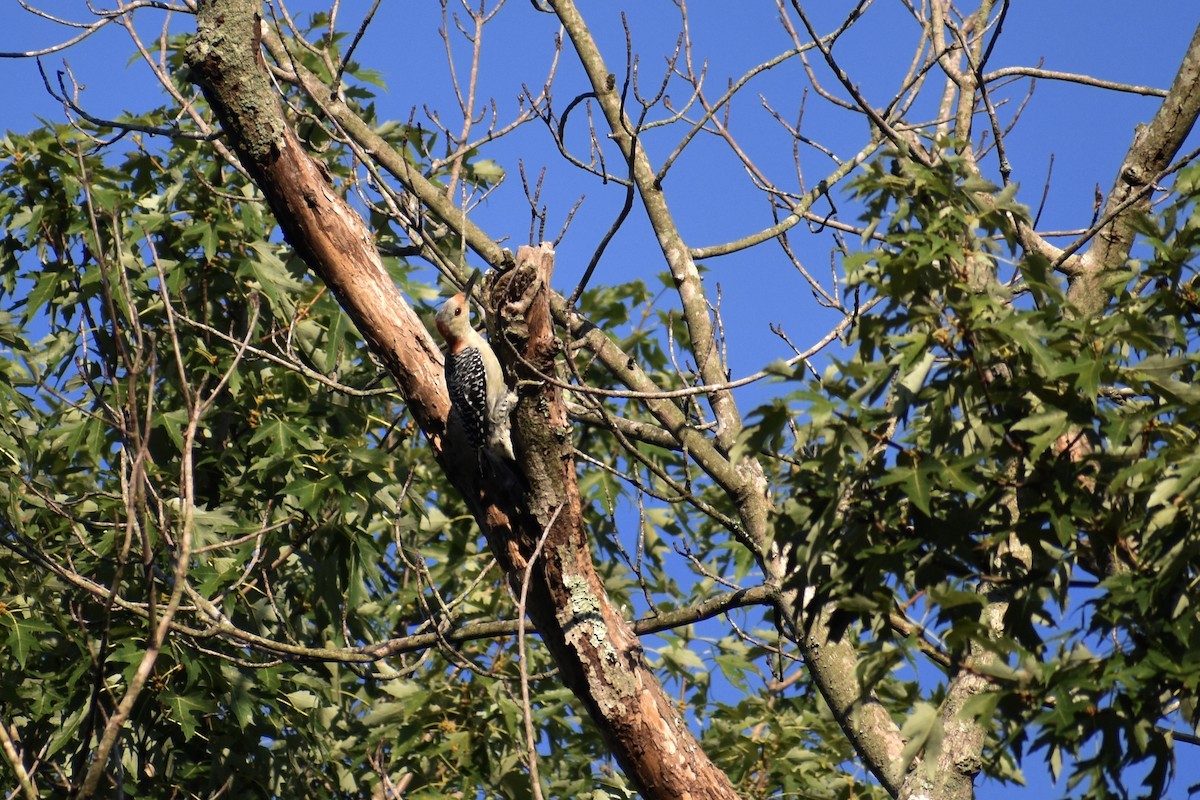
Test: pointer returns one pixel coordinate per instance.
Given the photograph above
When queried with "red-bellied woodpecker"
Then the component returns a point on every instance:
(474, 378)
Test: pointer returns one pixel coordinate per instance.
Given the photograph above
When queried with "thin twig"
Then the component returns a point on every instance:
(14, 759)
(362, 29)
(530, 736)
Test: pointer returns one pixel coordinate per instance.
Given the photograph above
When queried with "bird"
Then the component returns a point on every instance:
(474, 378)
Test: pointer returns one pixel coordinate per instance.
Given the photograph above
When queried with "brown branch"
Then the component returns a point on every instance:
(711, 110)
(523, 664)
(800, 208)
(473, 631)
(24, 779)
(675, 252)
(882, 125)
(1071, 77)
(323, 229)
(1151, 152)
(630, 428)
(625, 370)
(595, 649)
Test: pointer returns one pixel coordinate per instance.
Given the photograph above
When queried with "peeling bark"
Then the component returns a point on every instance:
(599, 656)
(596, 650)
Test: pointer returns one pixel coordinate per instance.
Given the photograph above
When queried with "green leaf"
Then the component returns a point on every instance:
(918, 731)
(1046, 428)
(188, 710)
(302, 699)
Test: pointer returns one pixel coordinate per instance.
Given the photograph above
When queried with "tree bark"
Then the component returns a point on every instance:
(599, 656)
(1149, 156)
(865, 721)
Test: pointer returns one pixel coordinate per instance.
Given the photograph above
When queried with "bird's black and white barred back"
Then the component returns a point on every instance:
(466, 380)
(474, 378)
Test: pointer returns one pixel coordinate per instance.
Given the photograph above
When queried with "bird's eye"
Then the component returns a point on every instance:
(457, 312)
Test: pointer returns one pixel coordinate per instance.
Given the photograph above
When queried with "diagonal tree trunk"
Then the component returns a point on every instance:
(598, 654)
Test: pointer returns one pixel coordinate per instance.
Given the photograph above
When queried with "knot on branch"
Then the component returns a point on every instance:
(520, 300)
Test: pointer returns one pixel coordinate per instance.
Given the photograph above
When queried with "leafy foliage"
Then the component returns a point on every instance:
(212, 504)
(160, 383)
(172, 373)
(988, 442)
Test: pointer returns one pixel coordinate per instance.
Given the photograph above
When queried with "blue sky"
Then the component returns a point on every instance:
(1082, 131)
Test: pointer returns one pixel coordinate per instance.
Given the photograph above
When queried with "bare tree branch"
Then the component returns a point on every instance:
(1151, 152)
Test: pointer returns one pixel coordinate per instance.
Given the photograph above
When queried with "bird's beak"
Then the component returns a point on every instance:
(470, 284)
